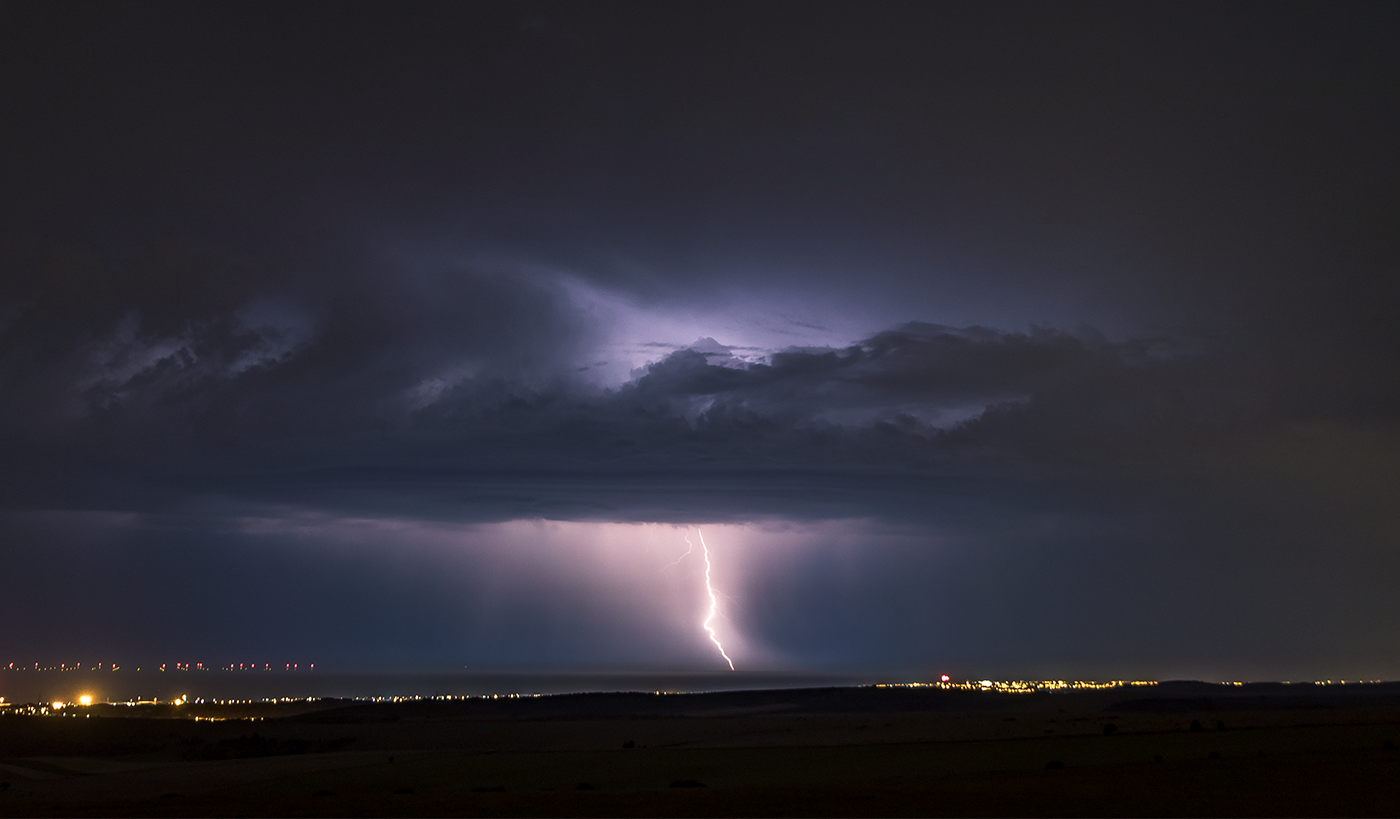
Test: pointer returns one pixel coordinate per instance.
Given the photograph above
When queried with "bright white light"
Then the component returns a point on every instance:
(714, 602)
(85, 700)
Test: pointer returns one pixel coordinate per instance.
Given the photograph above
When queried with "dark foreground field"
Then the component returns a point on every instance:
(1255, 751)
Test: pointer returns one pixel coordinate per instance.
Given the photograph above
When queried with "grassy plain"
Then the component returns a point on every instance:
(1282, 751)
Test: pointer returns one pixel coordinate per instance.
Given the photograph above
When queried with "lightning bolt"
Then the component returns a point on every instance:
(689, 547)
(714, 601)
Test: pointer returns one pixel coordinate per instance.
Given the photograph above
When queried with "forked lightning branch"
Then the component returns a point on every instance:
(709, 590)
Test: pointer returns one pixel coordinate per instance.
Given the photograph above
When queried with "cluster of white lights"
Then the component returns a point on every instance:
(1017, 686)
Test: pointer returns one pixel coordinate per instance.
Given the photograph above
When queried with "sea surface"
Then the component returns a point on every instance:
(146, 685)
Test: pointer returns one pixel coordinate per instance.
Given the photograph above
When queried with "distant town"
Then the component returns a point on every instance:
(83, 705)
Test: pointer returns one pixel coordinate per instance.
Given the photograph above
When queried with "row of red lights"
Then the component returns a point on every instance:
(163, 666)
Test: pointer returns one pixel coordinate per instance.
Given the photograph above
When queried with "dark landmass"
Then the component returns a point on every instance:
(1174, 749)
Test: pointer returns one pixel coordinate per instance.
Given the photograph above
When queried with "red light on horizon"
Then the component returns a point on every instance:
(945, 678)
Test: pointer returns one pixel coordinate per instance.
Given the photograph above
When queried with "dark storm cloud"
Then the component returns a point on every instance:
(420, 250)
(450, 391)
(1183, 504)
(1146, 167)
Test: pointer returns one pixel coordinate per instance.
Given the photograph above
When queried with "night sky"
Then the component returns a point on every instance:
(996, 339)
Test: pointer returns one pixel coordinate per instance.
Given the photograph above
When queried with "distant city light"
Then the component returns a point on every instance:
(1017, 686)
(85, 700)
(175, 666)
